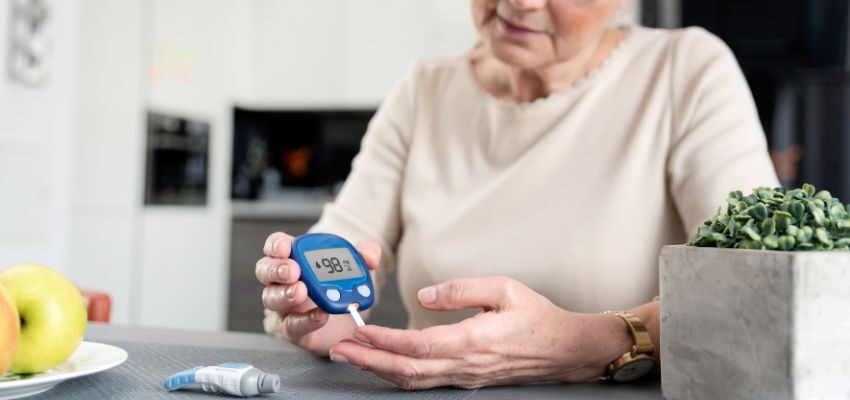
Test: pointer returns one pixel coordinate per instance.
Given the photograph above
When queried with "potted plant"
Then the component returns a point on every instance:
(757, 305)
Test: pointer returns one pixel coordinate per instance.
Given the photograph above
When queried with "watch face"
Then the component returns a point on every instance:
(634, 369)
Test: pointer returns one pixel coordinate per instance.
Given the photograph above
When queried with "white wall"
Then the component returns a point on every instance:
(104, 246)
(36, 127)
(332, 53)
(384, 36)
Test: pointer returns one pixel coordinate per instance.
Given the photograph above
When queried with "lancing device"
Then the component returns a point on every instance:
(335, 274)
(237, 379)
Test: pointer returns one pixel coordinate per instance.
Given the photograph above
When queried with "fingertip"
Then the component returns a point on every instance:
(278, 245)
(293, 272)
(321, 318)
(318, 316)
(267, 246)
(297, 293)
(260, 270)
(371, 252)
(301, 293)
(427, 296)
(337, 352)
(362, 336)
(297, 325)
(282, 247)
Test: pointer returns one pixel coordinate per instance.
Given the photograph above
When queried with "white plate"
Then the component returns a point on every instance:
(89, 358)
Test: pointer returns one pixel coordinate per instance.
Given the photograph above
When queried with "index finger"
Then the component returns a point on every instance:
(489, 293)
(442, 341)
(278, 245)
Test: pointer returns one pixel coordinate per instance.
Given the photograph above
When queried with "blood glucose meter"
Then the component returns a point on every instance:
(335, 274)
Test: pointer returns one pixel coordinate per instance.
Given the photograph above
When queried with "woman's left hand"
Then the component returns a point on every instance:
(519, 337)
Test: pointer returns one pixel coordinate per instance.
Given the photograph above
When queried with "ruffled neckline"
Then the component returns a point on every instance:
(554, 98)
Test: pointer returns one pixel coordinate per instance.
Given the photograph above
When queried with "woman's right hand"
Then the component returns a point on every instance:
(302, 322)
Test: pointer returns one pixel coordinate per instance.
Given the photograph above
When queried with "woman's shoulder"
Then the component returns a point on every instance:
(696, 40)
(685, 47)
(688, 55)
(425, 77)
(695, 35)
(437, 71)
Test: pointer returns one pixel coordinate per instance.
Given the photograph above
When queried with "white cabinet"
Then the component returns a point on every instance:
(294, 52)
(333, 53)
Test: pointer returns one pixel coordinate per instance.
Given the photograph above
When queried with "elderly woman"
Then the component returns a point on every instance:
(525, 187)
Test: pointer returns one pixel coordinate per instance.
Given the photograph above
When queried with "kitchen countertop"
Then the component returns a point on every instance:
(290, 203)
(291, 208)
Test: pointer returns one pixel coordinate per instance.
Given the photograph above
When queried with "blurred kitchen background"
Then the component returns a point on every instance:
(147, 147)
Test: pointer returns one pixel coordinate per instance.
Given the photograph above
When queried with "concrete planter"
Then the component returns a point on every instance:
(749, 324)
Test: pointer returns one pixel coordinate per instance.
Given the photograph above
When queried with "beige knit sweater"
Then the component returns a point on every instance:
(574, 194)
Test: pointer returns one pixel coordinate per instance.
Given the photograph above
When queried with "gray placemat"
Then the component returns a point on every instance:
(303, 376)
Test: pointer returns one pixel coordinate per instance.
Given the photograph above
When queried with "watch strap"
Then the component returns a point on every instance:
(643, 341)
(641, 350)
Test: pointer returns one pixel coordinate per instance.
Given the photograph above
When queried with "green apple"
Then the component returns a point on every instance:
(10, 330)
(52, 316)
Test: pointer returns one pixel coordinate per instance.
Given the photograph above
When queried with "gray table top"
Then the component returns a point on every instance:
(141, 340)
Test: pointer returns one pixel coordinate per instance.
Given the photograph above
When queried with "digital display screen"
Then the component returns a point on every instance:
(333, 264)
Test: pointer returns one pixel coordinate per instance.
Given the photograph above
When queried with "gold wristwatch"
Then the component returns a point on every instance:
(639, 361)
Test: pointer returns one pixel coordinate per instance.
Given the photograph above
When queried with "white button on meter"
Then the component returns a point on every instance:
(364, 290)
(333, 294)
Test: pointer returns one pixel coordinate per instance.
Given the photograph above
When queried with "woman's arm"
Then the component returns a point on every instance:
(650, 315)
(718, 144)
(367, 210)
(607, 337)
(520, 337)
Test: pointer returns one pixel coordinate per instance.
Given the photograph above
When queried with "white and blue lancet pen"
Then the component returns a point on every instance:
(237, 379)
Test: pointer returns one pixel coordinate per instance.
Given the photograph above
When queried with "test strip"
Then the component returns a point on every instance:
(352, 308)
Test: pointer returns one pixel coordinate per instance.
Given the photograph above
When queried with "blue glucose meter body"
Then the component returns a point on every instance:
(333, 271)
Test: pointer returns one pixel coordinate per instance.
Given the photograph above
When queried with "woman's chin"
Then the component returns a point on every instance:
(517, 56)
